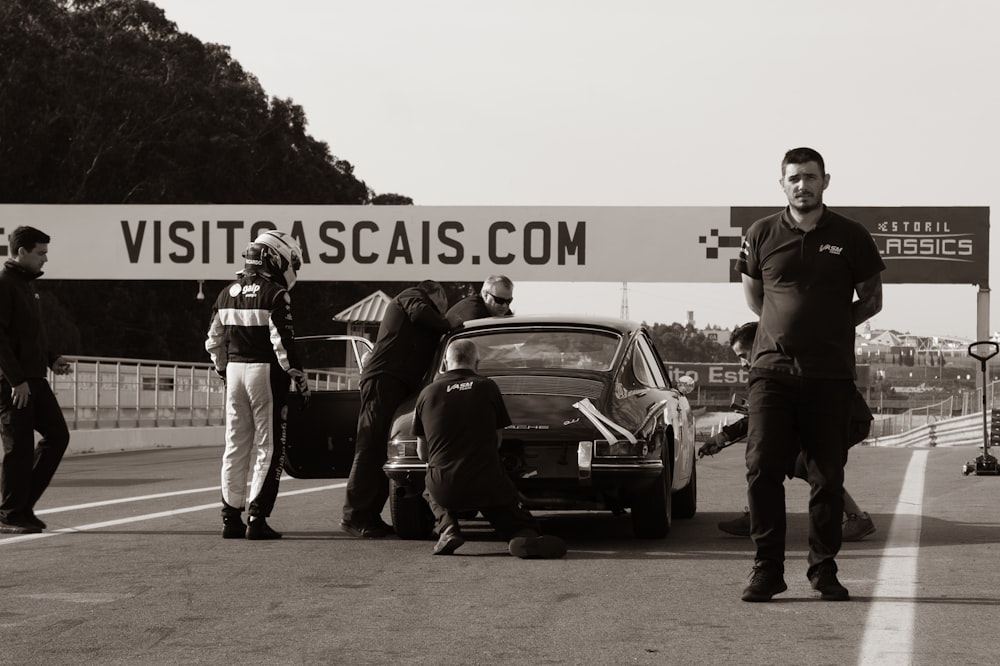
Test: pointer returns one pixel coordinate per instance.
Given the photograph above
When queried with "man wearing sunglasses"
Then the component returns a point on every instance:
(492, 301)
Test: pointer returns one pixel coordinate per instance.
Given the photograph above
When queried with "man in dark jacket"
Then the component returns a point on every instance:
(413, 324)
(27, 403)
(493, 300)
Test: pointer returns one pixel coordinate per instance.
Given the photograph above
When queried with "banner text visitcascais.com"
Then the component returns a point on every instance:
(424, 242)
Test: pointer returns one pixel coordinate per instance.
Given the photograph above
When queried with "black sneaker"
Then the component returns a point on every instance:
(739, 526)
(31, 519)
(14, 526)
(259, 530)
(765, 582)
(825, 582)
(449, 541)
(373, 530)
(382, 525)
(543, 547)
(233, 527)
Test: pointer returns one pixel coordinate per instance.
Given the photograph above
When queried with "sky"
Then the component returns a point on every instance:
(646, 103)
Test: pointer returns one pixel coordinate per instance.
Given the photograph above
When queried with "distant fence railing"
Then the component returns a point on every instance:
(134, 393)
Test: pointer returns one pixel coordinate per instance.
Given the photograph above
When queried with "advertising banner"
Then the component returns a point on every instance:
(919, 244)
(454, 243)
(734, 376)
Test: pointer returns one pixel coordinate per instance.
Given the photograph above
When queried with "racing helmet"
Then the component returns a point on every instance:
(276, 255)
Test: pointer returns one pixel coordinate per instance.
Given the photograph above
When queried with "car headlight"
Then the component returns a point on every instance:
(621, 448)
(401, 447)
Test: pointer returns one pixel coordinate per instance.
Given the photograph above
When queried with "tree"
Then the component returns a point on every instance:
(106, 102)
(391, 200)
(678, 342)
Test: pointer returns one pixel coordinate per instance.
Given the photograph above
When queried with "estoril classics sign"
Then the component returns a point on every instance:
(452, 243)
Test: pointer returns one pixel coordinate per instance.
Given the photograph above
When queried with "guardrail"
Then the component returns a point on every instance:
(104, 393)
(134, 393)
(959, 431)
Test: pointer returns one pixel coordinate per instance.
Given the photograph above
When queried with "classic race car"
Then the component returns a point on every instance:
(597, 424)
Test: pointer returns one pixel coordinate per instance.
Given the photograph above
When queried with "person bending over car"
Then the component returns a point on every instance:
(857, 523)
(252, 344)
(493, 300)
(407, 338)
(459, 421)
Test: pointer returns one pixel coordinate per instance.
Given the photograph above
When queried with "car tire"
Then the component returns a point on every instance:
(651, 509)
(411, 517)
(686, 499)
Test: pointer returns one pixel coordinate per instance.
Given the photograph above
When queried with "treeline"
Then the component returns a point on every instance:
(106, 102)
(680, 342)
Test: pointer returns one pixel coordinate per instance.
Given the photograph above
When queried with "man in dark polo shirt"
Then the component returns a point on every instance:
(413, 324)
(459, 421)
(493, 300)
(801, 269)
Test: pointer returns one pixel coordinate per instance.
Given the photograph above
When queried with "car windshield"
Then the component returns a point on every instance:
(547, 348)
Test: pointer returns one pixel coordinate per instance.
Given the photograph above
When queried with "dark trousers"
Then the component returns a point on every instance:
(28, 469)
(787, 415)
(509, 520)
(367, 485)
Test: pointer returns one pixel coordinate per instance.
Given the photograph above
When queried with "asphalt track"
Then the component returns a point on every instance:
(133, 571)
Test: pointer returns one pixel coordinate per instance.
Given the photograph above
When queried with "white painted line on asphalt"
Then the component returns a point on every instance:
(888, 638)
(137, 498)
(149, 516)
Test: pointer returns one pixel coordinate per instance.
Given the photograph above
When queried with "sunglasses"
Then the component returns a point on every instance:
(499, 300)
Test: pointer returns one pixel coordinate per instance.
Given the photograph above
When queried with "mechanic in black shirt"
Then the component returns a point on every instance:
(801, 268)
(413, 324)
(857, 523)
(459, 421)
(493, 300)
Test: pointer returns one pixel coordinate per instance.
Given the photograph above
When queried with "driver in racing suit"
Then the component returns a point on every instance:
(252, 344)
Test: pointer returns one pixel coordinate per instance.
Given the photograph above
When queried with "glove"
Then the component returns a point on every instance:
(301, 384)
(713, 445)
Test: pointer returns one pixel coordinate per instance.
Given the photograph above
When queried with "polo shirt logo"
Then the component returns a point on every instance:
(462, 386)
(832, 249)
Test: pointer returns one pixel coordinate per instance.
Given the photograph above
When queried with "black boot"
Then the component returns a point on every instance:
(232, 525)
(258, 529)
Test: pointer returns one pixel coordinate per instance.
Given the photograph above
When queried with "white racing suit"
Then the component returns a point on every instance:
(251, 342)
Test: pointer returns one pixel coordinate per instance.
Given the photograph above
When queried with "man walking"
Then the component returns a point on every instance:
(27, 403)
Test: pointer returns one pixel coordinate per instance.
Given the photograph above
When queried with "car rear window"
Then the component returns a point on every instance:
(555, 349)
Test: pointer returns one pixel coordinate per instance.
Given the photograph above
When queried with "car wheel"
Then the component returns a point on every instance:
(686, 499)
(651, 509)
(411, 517)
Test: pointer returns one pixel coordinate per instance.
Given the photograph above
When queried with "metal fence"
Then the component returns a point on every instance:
(133, 393)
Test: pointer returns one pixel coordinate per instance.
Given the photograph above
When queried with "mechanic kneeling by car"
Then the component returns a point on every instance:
(459, 421)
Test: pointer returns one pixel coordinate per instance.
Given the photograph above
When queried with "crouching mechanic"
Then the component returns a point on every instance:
(252, 344)
(458, 422)
(857, 523)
